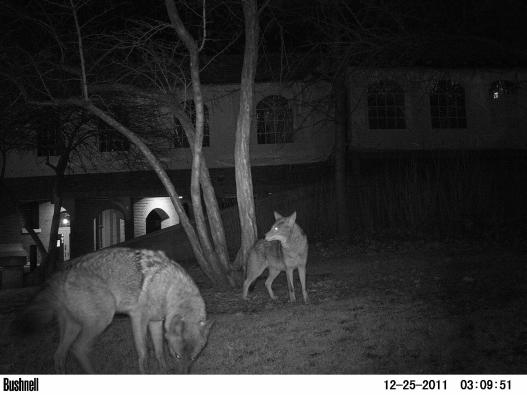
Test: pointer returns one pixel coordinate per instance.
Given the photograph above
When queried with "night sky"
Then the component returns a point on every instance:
(409, 32)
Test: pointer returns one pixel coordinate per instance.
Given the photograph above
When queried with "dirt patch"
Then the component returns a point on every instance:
(421, 309)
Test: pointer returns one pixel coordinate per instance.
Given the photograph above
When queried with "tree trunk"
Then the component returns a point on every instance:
(342, 214)
(209, 196)
(216, 223)
(50, 262)
(242, 162)
(195, 187)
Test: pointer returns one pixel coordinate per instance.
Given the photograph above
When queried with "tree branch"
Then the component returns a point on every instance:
(84, 85)
(204, 18)
(192, 48)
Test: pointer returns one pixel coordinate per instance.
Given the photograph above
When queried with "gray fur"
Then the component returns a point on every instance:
(153, 290)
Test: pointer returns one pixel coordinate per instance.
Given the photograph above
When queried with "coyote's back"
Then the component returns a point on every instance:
(284, 248)
(153, 290)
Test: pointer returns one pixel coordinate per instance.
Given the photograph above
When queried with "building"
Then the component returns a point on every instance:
(426, 109)
(110, 197)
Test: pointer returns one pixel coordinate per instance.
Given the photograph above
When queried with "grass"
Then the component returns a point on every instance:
(424, 309)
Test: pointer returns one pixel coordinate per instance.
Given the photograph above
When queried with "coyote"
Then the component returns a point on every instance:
(284, 248)
(146, 285)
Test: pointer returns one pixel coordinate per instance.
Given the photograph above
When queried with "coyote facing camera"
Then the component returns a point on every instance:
(283, 249)
(153, 290)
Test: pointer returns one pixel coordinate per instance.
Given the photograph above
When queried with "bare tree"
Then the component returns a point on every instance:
(244, 186)
(216, 255)
(43, 90)
(212, 256)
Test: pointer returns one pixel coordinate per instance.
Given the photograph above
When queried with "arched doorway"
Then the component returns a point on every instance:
(108, 228)
(155, 219)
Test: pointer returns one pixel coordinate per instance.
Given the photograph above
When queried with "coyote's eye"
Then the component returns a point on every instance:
(178, 356)
(276, 228)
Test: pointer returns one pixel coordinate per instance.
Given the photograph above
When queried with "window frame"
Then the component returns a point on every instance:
(273, 105)
(50, 140)
(30, 211)
(448, 105)
(110, 140)
(386, 103)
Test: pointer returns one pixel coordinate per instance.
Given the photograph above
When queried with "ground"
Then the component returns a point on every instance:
(435, 308)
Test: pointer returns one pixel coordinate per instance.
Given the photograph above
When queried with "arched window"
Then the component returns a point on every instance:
(447, 105)
(386, 106)
(180, 138)
(274, 121)
(154, 220)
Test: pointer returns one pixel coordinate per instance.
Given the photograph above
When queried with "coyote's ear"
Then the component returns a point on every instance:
(277, 216)
(292, 219)
(205, 327)
(176, 325)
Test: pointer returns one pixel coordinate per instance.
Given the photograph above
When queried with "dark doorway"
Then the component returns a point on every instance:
(154, 220)
(108, 228)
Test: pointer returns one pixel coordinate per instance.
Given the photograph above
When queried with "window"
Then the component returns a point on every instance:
(386, 106)
(274, 121)
(180, 138)
(109, 139)
(447, 106)
(30, 215)
(49, 138)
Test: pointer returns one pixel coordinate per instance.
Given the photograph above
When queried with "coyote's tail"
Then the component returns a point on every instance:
(36, 315)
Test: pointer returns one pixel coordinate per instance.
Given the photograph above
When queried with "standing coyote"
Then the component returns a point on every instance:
(284, 248)
(153, 290)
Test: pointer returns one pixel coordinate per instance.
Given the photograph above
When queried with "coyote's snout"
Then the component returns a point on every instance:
(153, 290)
(283, 249)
